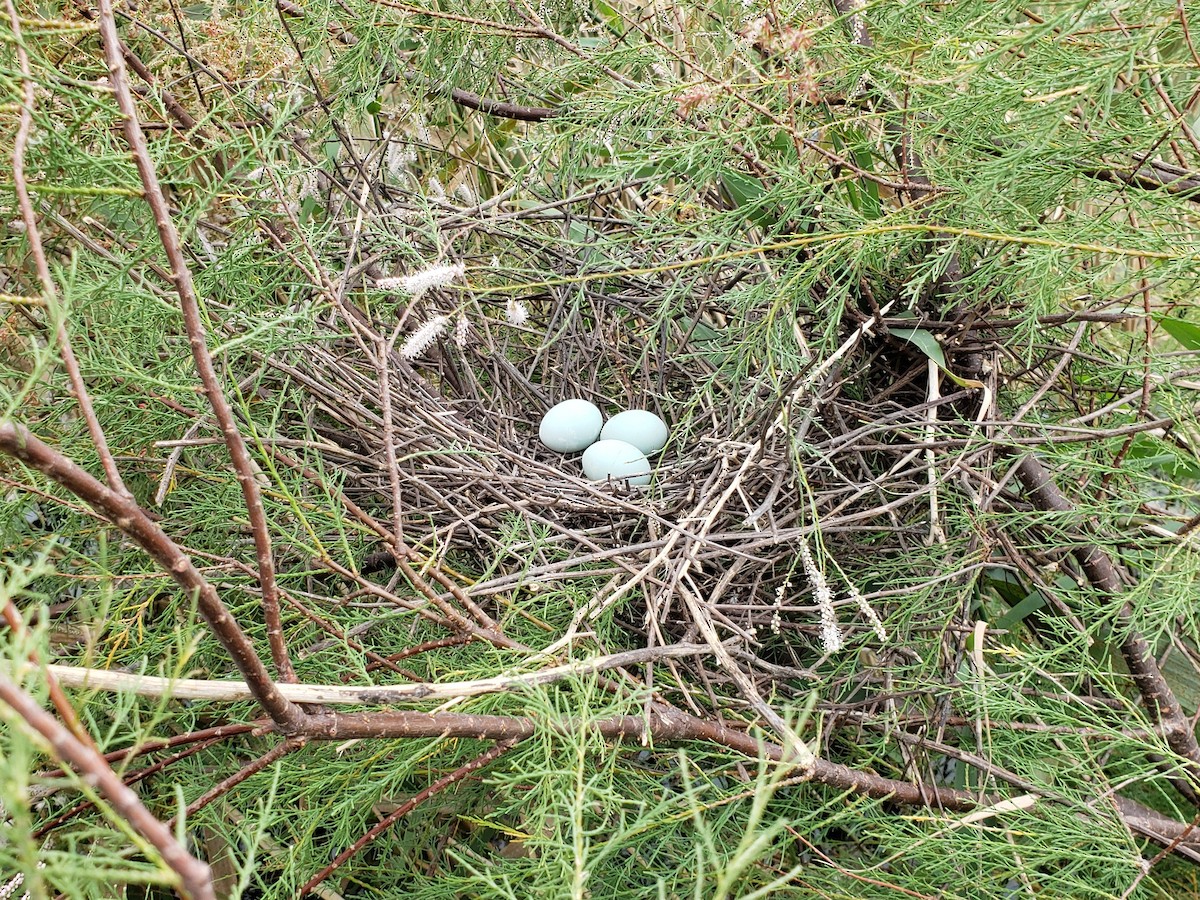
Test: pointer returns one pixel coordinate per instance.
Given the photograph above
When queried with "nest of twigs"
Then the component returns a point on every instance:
(759, 473)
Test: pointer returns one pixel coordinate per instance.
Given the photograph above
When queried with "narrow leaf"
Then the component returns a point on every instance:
(1187, 333)
(924, 341)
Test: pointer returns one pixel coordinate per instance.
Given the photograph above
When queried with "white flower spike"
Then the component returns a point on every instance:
(831, 636)
(422, 339)
(418, 283)
(516, 313)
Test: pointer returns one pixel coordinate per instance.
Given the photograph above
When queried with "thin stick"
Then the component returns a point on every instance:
(280, 750)
(334, 694)
(404, 809)
(129, 779)
(1156, 693)
(49, 291)
(195, 878)
(181, 277)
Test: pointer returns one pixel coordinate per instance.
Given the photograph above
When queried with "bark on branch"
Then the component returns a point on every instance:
(123, 512)
(1156, 693)
(195, 878)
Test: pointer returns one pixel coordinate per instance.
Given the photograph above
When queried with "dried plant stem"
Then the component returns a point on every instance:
(195, 879)
(181, 277)
(383, 352)
(333, 694)
(937, 534)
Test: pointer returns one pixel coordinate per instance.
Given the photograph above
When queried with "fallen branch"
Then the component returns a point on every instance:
(335, 694)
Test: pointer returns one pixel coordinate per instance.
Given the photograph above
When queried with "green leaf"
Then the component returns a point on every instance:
(1183, 678)
(610, 16)
(746, 191)
(924, 341)
(1187, 333)
(1032, 602)
(700, 331)
(1007, 586)
(1167, 458)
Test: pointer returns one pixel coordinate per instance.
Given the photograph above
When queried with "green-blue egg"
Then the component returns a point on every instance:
(616, 460)
(643, 429)
(571, 426)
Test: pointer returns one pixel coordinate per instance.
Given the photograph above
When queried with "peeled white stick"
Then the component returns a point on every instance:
(335, 694)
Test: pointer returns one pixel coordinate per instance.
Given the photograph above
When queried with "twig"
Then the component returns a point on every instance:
(231, 691)
(405, 808)
(1149, 865)
(280, 750)
(129, 779)
(195, 878)
(1156, 693)
(181, 277)
(49, 291)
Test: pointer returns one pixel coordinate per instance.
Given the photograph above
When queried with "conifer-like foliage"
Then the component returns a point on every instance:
(908, 608)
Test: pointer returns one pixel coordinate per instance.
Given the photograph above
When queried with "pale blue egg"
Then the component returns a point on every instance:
(643, 429)
(571, 426)
(617, 460)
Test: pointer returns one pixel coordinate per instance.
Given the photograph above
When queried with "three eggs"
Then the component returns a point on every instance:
(618, 449)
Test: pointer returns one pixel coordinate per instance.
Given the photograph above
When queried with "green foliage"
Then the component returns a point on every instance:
(978, 172)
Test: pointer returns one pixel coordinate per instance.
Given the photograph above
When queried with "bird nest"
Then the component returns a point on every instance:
(760, 506)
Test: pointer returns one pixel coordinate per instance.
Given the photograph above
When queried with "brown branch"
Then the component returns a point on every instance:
(49, 291)
(1156, 693)
(181, 277)
(193, 129)
(660, 724)
(280, 750)
(1150, 177)
(169, 101)
(404, 809)
(417, 649)
(17, 441)
(153, 745)
(670, 725)
(195, 878)
(500, 108)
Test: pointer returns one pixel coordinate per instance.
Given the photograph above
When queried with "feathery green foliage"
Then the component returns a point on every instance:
(762, 218)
